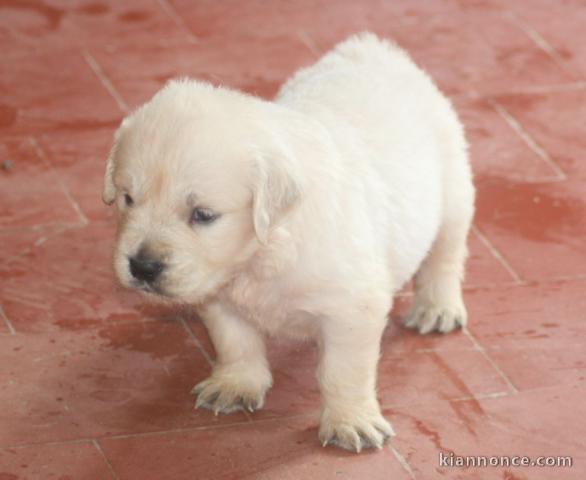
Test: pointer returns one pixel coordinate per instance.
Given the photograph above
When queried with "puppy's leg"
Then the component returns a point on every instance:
(438, 303)
(241, 375)
(351, 417)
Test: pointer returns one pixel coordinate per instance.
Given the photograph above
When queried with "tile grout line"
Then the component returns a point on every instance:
(485, 354)
(177, 19)
(401, 459)
(104, 80)
(309, 43)
(210, 427)
(543, 89)
(545, 440)
(198, 345)
(98, 447)
(547, 89)
(41, 153)
(541, 43)
(499, 257)
(480, 396)
(468, 287)
(528, 139)
(11, 329)
(78, 441)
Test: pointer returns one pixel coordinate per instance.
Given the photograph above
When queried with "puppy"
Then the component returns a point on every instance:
(301, 216)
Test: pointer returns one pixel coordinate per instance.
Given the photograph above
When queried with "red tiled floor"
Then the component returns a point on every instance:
(527, 424)
(416, 369)
(95, 384)
(116, 379)
(544, 315)
(539, 227)
(78, 158)
(283, 449)
(483, 267)
(496, 149)
(550, 119)
(559, 32)
(73, 460)
(70, 97)
(44, 202)
(501, 56)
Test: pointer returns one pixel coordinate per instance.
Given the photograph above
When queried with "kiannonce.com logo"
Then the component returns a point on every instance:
(453, 460)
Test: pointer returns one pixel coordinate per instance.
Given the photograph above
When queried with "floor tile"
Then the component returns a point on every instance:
(549, 315)
(530, 368)
(482, 267)
(534, 343)
(70, 97)
(429, 377)
(504, 56)
(217, 60)
(44, 202)
(437, 35)
(65, 461)
(61, 24)
(496, 149)
(65, 281)
(528, 424)
(79, 158)
(282, 449)
(412, 369)
(550, 120)
(6, 327)
(533, 333)
(117, 379)
(91, 373)
(559, 29)
(524, 220)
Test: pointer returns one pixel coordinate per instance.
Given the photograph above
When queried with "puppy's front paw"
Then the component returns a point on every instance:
(354, 432)
(430, 317)
(227, 392)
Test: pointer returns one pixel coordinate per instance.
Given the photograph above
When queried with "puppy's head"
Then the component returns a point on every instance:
(200, 179)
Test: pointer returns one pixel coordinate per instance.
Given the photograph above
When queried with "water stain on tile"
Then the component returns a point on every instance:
(94, 9)
(51, 14)
(134, 16)
(470, 412)
(531, 211)
(508, 475)
(432, 434)
(8, 115)
(451, 375)
(137, 337)
(518, 101)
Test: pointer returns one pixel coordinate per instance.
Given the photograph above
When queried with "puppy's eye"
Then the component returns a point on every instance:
(203, 216)
(128, 200)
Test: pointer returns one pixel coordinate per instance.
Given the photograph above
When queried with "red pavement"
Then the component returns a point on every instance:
(95, 385)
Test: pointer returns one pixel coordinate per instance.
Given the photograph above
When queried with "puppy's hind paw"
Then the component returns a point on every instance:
(429, 318)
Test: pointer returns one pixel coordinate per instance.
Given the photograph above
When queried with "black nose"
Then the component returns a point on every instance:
(145, 268)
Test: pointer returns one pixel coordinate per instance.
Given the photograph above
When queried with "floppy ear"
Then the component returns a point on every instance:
(109, 192)
(277, 188)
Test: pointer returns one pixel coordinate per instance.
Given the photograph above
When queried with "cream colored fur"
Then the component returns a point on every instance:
(351, 182)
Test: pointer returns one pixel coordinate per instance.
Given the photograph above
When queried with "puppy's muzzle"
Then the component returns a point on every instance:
(145, 268)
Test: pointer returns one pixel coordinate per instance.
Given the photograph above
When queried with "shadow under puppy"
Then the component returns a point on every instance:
(301, 216)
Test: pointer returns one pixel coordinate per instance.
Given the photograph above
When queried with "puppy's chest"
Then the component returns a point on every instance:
(273, 308)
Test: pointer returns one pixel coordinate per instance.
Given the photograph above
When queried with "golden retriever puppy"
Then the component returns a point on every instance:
(299, 216)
